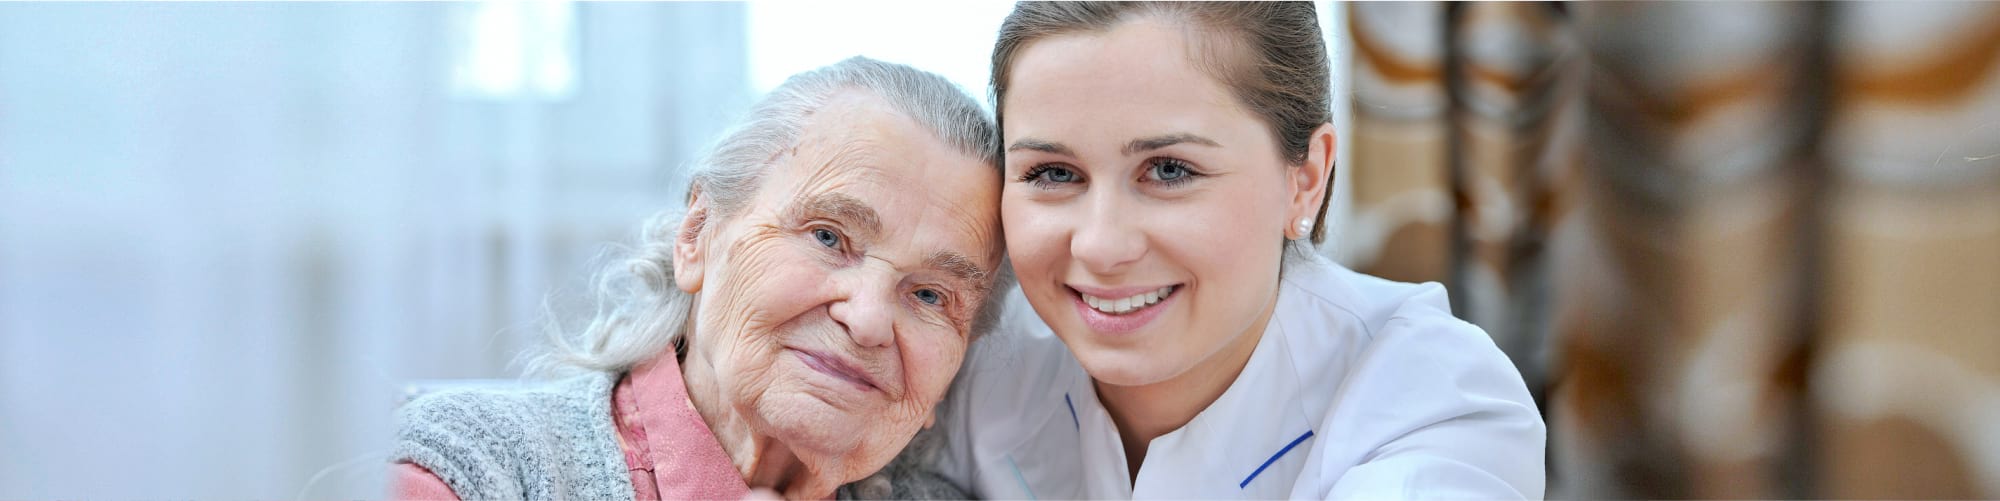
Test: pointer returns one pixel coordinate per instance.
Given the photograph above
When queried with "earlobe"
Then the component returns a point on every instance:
(687, 244)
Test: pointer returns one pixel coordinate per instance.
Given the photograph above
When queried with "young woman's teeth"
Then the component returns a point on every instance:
(1126, 304)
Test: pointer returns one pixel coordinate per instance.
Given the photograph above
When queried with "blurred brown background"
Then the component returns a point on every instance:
(1739, 250)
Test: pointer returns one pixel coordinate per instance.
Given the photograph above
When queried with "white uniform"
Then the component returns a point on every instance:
(1361, 388)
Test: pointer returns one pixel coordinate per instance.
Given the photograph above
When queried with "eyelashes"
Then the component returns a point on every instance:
(1049, 175)
(1166, 171)
(1170, 172)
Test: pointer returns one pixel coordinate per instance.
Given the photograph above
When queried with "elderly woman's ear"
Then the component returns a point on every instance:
(687, 242)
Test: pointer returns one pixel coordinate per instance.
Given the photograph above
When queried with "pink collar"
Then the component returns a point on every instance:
(663, 432)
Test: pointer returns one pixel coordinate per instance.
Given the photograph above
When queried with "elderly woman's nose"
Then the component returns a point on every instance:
(867, 308)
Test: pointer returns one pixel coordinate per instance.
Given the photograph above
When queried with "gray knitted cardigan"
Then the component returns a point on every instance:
(557, 441)
(549, 441)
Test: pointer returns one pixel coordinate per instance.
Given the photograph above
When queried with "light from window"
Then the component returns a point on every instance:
(953, 39)
(514, 49)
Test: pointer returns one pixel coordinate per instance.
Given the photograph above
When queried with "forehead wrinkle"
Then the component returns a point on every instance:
(963, 215)
(982, 230)
(847, 156)
(839, 159)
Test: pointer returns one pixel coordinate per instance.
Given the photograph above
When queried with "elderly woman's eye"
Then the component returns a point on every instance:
(826, 237)
(930, 297)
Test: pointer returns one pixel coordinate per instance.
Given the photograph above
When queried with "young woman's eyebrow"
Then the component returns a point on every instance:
(1162, 141)
(1136, 146)
(1033, 144)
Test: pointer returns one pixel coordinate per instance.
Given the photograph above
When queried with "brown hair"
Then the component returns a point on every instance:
(1279, 70)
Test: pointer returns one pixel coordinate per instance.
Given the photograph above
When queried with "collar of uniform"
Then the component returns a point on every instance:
(1247, 433)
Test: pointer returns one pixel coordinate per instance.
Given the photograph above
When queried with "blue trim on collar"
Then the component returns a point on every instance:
(1020, 477)
(1072, 412)
(1274, 458)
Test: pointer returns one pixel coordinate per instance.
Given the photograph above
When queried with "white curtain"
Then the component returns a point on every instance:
(230, 233)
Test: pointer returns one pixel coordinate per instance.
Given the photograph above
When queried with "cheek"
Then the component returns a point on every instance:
(1237, 224)
(1035, 236)
(1232, 259)
(771, 275)
(931, 365)
(1215, 241)
(928, 368)
(758, 290)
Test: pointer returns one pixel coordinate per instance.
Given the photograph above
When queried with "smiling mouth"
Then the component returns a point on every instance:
(1129, 304)
(837, 368)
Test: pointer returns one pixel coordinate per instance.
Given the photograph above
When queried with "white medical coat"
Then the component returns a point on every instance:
(1360, 388)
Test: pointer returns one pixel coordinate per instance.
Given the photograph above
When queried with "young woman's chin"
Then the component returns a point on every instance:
(1129, 366)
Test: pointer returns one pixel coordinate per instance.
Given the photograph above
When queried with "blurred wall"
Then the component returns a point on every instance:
(230, 233)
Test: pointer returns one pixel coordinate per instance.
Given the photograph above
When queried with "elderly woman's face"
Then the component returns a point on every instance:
(837, 305)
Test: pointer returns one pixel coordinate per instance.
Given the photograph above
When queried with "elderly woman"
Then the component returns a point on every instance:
(792, 331)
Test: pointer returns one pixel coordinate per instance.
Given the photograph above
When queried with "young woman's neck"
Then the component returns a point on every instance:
(764, 462)
(1143, 413)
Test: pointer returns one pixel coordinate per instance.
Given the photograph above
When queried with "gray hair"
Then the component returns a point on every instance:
(640, 311)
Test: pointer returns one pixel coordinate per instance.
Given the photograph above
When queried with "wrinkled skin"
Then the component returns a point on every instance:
(869, 244)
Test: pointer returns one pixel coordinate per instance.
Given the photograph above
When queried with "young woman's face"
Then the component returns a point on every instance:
(1145, 209)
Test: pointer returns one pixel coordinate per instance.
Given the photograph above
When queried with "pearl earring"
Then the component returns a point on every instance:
(1305, 227)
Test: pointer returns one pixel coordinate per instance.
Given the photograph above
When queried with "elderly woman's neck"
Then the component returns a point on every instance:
(763, 461)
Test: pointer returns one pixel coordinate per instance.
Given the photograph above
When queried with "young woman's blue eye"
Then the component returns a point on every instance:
(1050, 174)
(826, 237)
(930, 297)
(1060, 175)
(1169, 171)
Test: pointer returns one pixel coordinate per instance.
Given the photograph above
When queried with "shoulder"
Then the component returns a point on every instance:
(1410, 327)
(1414, 393)
(478, 414)
(1376, 327)
(484, 443)
(1338, 325)
(1331, 315)
(1008, 392)
(1371, 302)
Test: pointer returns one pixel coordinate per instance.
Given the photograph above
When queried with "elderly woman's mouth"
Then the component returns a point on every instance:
(837, 367)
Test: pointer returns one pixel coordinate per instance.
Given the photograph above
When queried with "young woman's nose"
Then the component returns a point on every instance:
(1107, 238)
(867, 306)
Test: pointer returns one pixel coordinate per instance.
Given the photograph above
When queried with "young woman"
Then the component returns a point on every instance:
(1167, 168)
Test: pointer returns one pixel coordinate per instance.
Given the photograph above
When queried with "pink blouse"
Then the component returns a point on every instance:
(669, 451)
